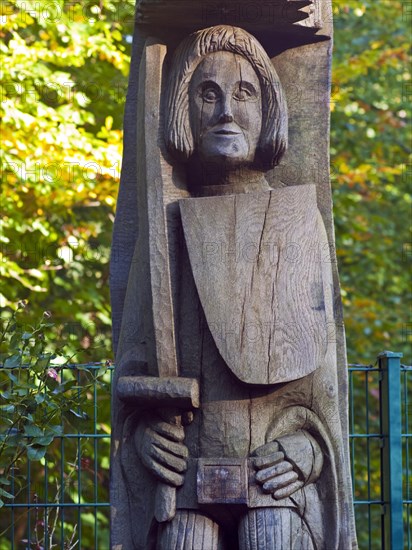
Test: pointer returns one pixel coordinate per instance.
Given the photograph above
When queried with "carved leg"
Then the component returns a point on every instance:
(274, 529)
(189, 531)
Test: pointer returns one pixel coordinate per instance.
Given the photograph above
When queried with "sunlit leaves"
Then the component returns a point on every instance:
(371, 152)
(64, 69)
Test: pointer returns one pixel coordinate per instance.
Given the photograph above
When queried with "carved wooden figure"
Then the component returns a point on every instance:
(229, 413)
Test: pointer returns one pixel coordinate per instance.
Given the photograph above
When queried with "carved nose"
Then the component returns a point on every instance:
(226, 116)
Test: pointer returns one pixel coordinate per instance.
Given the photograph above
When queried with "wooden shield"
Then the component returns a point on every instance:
(257, 265)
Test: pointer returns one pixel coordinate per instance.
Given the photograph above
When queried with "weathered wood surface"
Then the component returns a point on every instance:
(163, 345)
(305, 76)
(262, 279)
(295, 22)
(159, 320)
(151, 391)
(289, 435)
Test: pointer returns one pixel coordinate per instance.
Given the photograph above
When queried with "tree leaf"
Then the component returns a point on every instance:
(43, 441)
(33, 431)
(12, 362)
(5, 494)
(36, 453)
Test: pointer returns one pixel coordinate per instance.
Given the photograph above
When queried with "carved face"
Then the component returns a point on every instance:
(225, 109)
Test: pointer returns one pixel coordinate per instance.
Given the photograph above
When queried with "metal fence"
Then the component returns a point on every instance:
(64, 503)
(380, 398)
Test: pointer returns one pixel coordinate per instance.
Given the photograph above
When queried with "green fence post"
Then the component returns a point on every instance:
(391, 457)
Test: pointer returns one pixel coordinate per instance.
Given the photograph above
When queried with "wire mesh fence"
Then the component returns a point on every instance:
(62, 501)
(380, 440)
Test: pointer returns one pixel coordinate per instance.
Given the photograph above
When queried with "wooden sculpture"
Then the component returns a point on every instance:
(229, 404)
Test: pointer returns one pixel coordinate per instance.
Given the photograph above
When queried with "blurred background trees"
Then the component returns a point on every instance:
(371, 161)
(64, 80)
(65, 67)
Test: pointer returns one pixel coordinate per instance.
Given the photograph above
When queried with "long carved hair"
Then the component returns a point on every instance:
(179, 139)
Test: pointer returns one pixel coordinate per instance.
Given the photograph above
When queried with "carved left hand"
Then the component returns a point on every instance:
(289, 463)
(275, 472)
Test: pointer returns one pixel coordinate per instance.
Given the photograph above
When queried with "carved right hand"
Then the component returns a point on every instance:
(161, 449)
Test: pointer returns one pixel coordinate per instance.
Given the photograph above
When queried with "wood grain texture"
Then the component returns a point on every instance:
(125, 228)
(256, 260)
(182, 131)
(235, 419)
(160, 320)
(153, 392)
(190, 530)
(163, 343)
(295, 22)
(274, 529)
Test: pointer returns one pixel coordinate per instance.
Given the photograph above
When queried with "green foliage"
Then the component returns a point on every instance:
(371, 178)
(63, 89)
(35, 401)
(371, 169)
(65, 70)
(42, 400)
(64, 81)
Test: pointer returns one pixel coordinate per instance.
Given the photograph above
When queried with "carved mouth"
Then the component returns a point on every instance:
(226, 133)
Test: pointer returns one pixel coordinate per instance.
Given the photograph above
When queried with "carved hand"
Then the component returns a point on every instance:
(287, 464)
(161, 449)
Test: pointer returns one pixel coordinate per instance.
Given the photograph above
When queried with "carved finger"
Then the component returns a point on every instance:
(278, 482)
(170, 461)
(163, 474)
(187, 418)
(267, 449)
(171, 431)
(274, 471)
(172, 447)
(287, 491)
(266, 461)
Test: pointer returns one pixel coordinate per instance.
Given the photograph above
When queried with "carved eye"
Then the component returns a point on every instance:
(242, 94)
(245, 92)
(210, 95)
